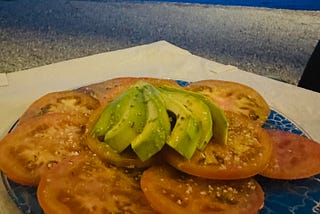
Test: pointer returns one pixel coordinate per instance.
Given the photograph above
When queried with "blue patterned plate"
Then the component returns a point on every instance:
(281, 196)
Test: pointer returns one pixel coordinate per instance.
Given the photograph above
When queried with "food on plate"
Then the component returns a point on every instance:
(36, 146)
(170, 191)
(236, 97)
(140, 118)
(246, 152)
(293, 157)
(71, 102)
(147, 145)
(84, 184)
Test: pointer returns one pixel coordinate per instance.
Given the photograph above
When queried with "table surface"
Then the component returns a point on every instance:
(269, 42)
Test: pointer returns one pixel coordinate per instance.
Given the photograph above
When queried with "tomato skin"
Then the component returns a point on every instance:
(246, 153)
(34, 147)
(84, 184)
(170, 191)
(71, 102)
(293, 157)
(236, 97)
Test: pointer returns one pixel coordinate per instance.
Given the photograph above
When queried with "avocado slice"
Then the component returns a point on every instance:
(198, 108)
(186, 133)
(157, 128)
(220, 122)
(112, 113)
(131, 122)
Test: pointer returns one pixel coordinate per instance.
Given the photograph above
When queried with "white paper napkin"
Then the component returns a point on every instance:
(3, 79)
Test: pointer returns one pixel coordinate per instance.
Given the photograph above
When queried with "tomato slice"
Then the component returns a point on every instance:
(72, 102)
(34, 147)
(170, 191)
(293, 157)
(246, 153)
(232, 96)
(127, 158)
(107, 91)
(84, 184)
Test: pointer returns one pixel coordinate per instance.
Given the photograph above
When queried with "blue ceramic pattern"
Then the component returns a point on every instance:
(281, 196)
(278, 121)
(25, 197)
(182, 83)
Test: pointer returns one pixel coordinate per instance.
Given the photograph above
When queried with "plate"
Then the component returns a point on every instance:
(281, 196)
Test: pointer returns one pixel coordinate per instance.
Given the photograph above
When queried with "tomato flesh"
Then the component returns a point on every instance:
(71, 102)
(170, 191)
(84, 184)
(34, 147)
(236, 97)
(293, 157)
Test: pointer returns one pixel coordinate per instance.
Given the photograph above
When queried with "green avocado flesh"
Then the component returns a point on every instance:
(186, 133)
(219, 121)
(146, 118)
(157, 128)
(199, 111)
(131, 122)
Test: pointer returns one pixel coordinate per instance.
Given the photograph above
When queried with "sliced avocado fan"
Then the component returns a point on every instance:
(146, 118)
